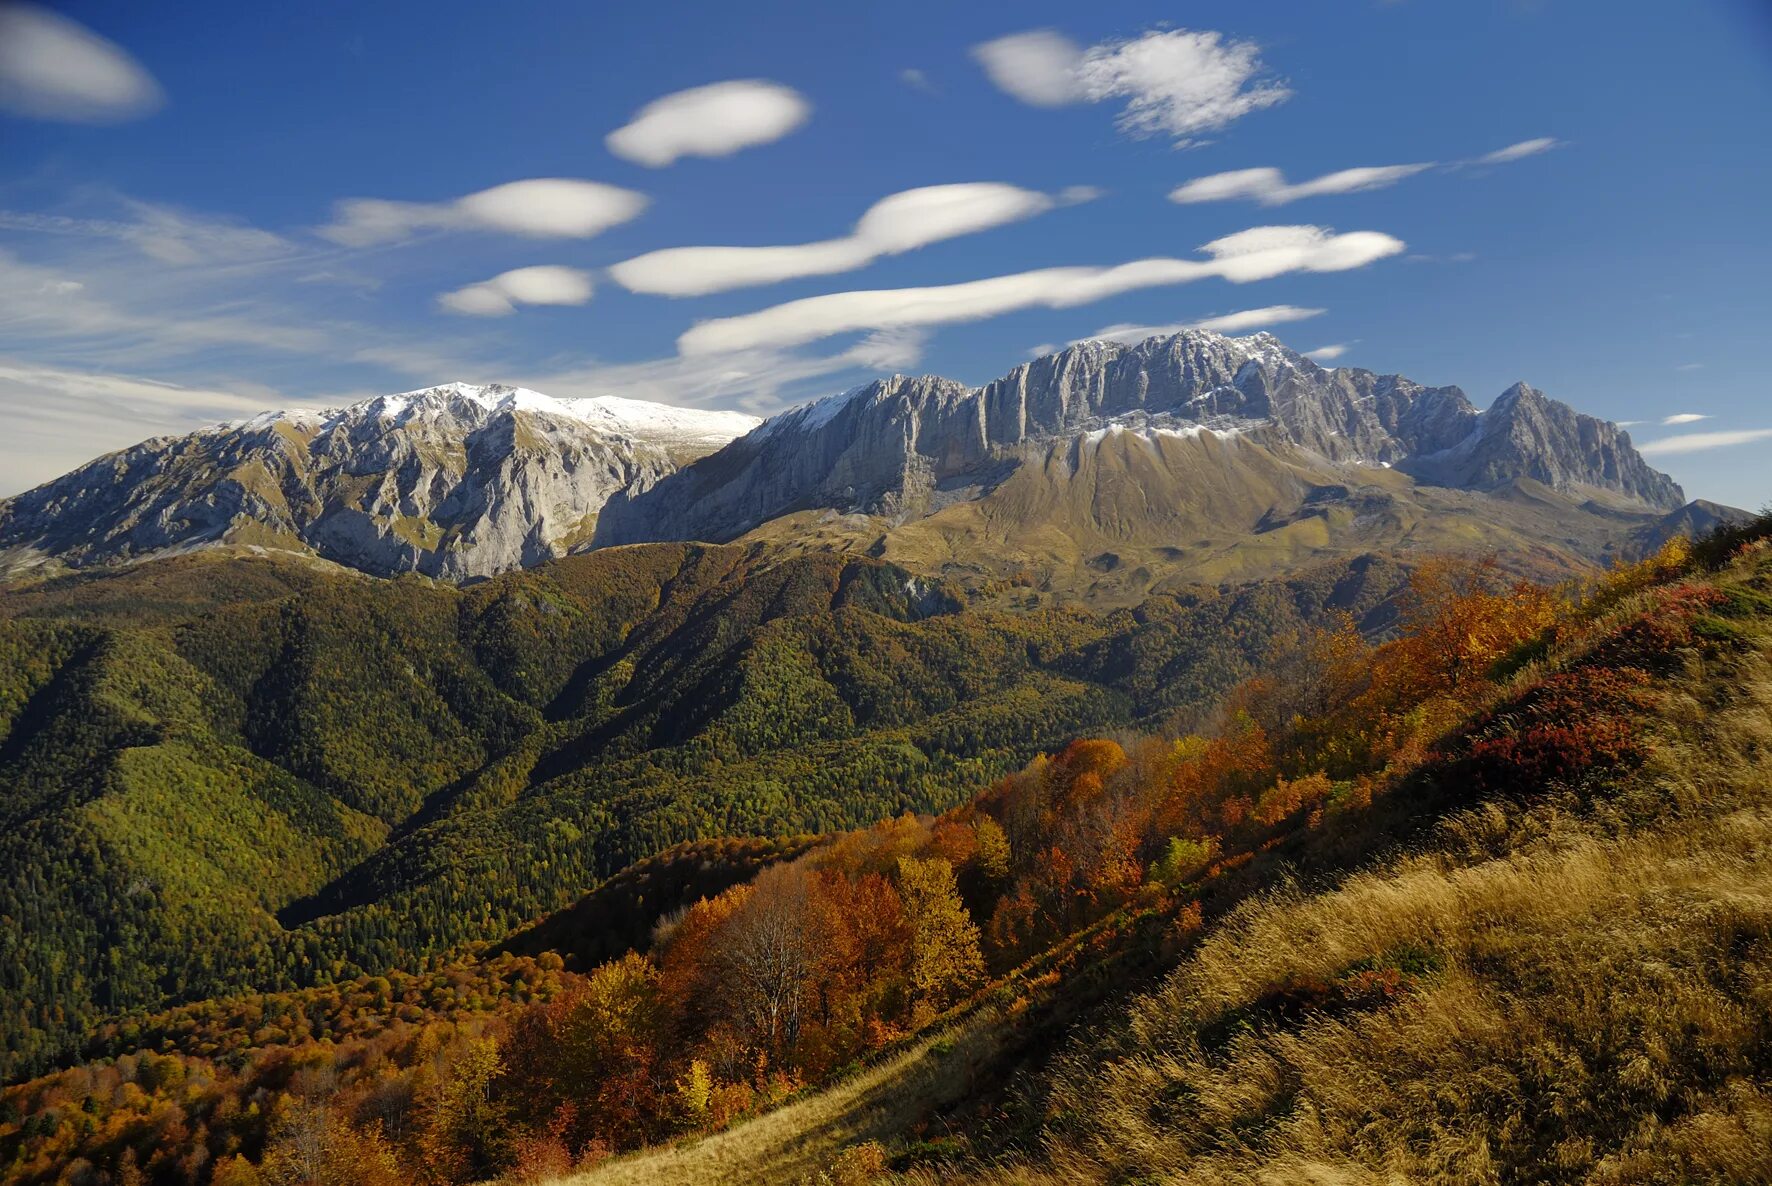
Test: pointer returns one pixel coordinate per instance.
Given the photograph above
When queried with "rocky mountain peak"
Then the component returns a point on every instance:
(907, 446)
(1526, 434)
(458, 481)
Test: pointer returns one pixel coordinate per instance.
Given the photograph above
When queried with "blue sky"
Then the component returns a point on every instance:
(178, 242)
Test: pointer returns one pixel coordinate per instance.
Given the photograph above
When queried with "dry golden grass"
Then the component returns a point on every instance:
(1601, 1012)
(796, 1141)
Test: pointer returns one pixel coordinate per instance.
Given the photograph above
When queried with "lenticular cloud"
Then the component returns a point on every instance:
(711, 121)
(1255, 254)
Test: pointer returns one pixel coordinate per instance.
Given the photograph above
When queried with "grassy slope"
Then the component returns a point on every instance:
(1114, 520)
(792, 1142)
(1593, 1004)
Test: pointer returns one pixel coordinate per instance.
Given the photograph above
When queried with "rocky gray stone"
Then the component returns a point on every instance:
(892, 446)
(456, 482)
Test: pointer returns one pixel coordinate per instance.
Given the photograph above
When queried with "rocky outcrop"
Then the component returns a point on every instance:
(1525, 434)
(457, 482)
(903, 447)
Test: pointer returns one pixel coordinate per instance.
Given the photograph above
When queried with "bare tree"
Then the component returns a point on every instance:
(768, 955)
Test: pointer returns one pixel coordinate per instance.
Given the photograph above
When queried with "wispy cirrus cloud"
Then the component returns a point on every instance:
(897, 223)
(1685, 418)
(1520, 151)
(59, 418)
(1269, 187)
(1699, 442)
(146, 318)
(1327, 353)
(1255, 254)
(1225, 323)
(761, 381)
(1176, 83)
(537, 208)
(917, 80)
(161, 233)
(710, 121)
(53, 68)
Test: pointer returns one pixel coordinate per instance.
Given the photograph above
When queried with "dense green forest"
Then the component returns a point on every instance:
(224, 772)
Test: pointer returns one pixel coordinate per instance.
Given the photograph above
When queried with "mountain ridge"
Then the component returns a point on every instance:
(889, 446)
(1109, 471)
(458, 481)
(1158, 461)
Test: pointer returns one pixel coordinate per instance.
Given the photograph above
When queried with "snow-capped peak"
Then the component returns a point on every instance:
(613, 415)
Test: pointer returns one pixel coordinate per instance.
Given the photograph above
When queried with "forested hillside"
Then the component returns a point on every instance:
(221, 772)
(1487, 849)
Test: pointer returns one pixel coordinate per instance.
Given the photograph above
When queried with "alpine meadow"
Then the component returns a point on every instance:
(885, 595)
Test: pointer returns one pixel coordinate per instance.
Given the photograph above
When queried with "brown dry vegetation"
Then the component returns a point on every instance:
(1564, 988)
(796, 1142)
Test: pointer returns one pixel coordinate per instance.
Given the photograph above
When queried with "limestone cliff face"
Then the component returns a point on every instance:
(905, 447)
(1527, 434)
(455, 482)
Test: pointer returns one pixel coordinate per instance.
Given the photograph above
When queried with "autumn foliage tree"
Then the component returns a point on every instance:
(945, 958)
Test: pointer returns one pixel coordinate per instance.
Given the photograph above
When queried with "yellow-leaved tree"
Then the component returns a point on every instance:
(945, 956)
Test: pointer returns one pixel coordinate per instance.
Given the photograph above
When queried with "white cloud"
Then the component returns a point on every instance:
(1039, 67)
(1176, 83)
(712, 121)
(53, 68)
(917, 80)
(1232, 323)
(1695, 442)
(1514, 152)
(546, 284)
(1690, 366)
(1255, 254)
(897, 223)
(539, 208)
(1228, 323)
(1326, 353)
(1685, 418)
(1269, 186)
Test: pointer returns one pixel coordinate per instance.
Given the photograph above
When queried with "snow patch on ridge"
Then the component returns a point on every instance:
(607, 414)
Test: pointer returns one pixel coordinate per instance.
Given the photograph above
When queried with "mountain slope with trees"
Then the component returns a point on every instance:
(228, 772)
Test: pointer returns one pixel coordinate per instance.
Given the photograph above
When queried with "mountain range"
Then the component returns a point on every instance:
(1106, 470)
